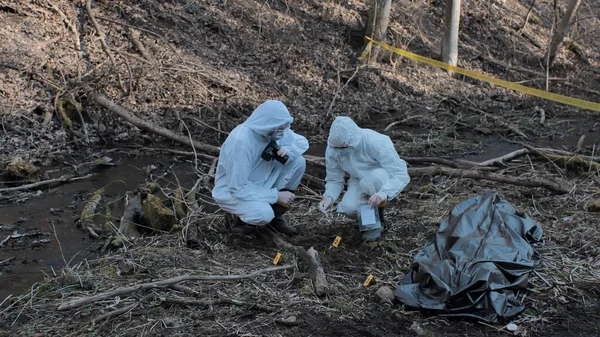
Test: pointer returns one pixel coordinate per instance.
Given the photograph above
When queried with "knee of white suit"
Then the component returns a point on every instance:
(259, 216)
(374, 180)
(348, 208)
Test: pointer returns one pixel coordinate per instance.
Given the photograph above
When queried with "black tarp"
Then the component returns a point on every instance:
(479, 260)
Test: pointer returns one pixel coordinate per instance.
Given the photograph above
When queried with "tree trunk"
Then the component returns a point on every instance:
(562, 30)
(379, 19)
(451, 27)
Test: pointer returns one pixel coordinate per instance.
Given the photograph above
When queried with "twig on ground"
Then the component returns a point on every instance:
(206, 303)
(166, 282)
(88, 7)
(60, 180)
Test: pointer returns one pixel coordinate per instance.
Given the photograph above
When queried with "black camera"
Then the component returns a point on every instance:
(270, 153)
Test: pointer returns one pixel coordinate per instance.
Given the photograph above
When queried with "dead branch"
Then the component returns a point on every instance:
(317, 275)
(142, 124)
(88, 7)
(458, 173)
(209, 303)
(68, 23)
(121, 311)
(3, 262)
(144, 30)
(61, 180)
(310, 257)
(191, 238)
(341, 88)
(504, 158)
(127, 226)
(134, 35)
(572, 161)
(157, 284)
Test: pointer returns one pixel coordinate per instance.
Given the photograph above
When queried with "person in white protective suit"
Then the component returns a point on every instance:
(260, 165)
(377, 174)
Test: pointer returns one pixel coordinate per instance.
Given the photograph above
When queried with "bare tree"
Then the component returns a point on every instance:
(561, 31)
(379, 19)
(451, 28)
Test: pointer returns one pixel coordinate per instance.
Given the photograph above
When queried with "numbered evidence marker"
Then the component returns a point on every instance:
(277, 257)
(368, 280)
(337, 241)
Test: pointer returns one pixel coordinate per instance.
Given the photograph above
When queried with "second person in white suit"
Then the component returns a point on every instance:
(377, 173)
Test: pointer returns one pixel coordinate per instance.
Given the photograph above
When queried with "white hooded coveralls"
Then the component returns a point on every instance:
(245, 184)
(371, 161)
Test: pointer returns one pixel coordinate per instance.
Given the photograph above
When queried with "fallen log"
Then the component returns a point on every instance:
(157, 284)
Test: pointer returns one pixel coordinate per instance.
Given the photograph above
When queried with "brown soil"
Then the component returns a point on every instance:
(212, 62)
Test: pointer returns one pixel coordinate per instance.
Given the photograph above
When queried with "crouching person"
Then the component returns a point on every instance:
(260, 166)
(377, 174)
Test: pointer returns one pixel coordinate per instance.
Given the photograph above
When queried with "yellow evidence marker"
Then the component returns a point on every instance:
(368, 280)
(337, 241)
(277, 257)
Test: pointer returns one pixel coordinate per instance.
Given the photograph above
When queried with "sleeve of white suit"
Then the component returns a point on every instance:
(238, 168)
(384, 152)
(295, 143)
(334, 181)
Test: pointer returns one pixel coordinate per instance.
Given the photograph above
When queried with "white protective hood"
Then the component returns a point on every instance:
(344, 132)
(269, 116)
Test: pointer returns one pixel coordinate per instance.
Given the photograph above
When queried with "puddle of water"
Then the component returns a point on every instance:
(60, 207)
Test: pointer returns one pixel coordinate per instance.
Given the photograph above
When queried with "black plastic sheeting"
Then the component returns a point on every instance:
(479, 260)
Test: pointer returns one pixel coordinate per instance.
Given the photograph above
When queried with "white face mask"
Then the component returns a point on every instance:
(277, 135)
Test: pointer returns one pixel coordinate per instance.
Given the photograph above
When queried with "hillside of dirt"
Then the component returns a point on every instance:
(198, 69)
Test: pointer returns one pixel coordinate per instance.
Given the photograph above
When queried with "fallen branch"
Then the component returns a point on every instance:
(310, 257)
(127, 225)
(317, 275)
(458, 173)
(142, 124)
(144, 30)
(3, 262)
(191, 238)
(88, 7)
(134, 35)
(60, 180)
(570, 161)
(207, 303)
(504, 158)
(121, 311)
(157, 284)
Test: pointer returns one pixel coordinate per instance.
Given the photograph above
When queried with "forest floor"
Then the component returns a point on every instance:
(206, 65)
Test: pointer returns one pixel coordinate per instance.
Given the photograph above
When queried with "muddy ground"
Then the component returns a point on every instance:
(207, 65)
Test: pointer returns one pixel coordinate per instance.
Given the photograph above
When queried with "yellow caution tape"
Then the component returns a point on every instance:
(486, 78)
